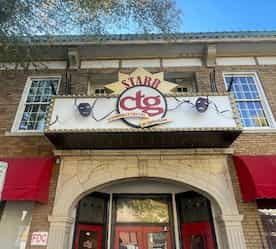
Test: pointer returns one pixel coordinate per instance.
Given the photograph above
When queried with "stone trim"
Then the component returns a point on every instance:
(156, 152)
(208, 173)
(231, 229)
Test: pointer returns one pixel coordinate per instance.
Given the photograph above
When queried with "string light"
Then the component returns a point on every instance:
(85, 109)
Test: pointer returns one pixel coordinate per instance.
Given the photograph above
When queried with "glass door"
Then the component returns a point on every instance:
(142, 237)
(91, 222)
(197, 235)
(89, 237)
(142, 222)
(157, 237)
(128, 237)
(196, 224)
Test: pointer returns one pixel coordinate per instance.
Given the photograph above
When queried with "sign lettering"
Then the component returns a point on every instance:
(148, 105)
(141, 99)
(39, 239)
(141, 80)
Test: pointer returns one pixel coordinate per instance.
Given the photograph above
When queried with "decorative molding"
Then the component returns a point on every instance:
(232, 61)
(37, 65)
(211, 54)
(175, 152)
(231, 227)
(73, 58)
(181, 40)
(259, 130)
(99, 64)
(182, 62)
(230, 218)
(60, 229)
(145, 63)
(61, 219)
(266, 60)
(23, 134)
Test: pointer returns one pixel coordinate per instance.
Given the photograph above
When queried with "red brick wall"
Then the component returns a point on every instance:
(30, 146)
(23, 146)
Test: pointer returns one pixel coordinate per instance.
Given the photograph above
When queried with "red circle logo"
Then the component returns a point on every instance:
(141, 102)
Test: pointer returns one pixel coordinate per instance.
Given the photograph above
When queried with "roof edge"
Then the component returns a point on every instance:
(200, 37)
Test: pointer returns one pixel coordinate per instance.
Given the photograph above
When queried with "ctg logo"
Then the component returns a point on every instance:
(141, 102)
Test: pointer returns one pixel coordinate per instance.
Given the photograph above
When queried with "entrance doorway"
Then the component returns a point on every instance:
(142, 222)
(89, 237)
(142, 237)
(196, 223)
(90, 230)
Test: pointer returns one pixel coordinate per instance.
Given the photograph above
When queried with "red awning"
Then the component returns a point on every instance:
(27, 179)
(257, 176)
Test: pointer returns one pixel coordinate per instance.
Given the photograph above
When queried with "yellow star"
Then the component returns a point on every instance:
(141, 77)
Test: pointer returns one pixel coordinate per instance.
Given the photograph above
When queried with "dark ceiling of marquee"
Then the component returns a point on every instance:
(143, 140)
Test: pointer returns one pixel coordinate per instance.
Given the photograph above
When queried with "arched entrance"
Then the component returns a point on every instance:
(208, 175)
(144, 213)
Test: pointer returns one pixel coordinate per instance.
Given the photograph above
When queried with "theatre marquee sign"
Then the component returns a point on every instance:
(142, 102)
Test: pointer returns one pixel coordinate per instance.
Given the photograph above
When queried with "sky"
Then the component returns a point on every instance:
(226, 15)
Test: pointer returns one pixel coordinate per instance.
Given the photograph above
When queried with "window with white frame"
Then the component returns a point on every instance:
(36, 97)
(250, 99)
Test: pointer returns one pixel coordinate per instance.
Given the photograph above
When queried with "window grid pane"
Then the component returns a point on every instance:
(243, 87)
(38, 98)
(248, 100)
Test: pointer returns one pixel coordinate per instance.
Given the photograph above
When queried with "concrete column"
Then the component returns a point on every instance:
(59, 233)
(232, 232)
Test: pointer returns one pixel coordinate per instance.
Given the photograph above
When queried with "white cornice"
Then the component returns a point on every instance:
(163, 41)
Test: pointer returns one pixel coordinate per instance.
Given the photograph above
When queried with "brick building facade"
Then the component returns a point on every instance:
(198, 64)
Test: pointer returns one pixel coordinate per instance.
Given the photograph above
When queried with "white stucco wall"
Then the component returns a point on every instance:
(15, 224)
